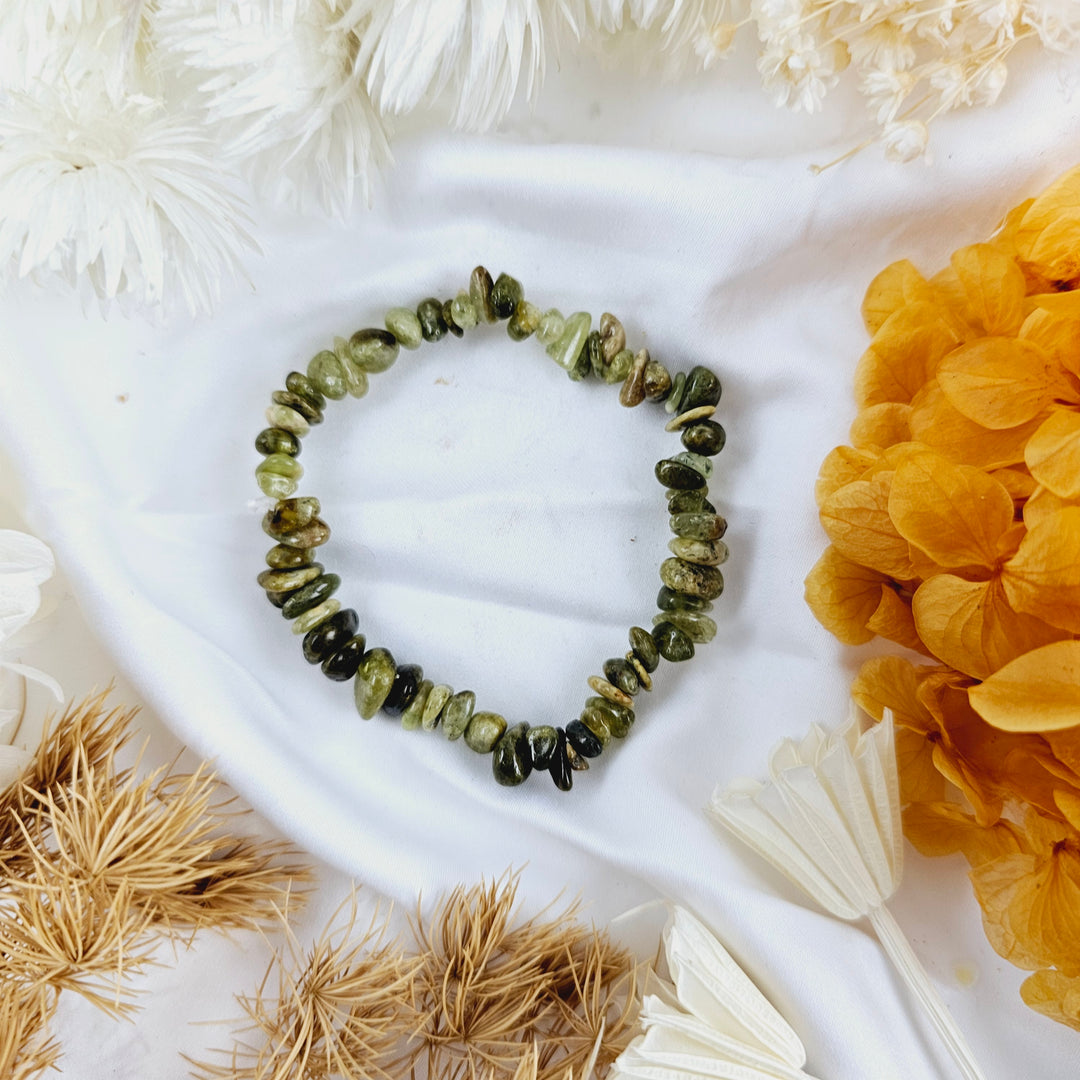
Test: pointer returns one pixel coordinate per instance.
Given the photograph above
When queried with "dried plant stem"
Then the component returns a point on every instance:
(26, 1048)
(899, 950)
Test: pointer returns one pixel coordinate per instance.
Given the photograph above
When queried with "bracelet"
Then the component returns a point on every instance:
(303, 590)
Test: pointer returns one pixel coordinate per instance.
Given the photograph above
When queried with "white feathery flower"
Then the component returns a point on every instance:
(798, 73)
(988, 81)
(471, 54)
(887, 90)
(121, 196)
(1057, 22)
(905, 140)
(698, 28)
(886, 45)
(283, 91)
(951, 82)
(929, 20)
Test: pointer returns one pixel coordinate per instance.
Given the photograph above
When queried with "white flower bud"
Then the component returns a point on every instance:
(905, 140)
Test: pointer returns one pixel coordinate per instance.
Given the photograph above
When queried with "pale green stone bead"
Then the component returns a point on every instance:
(277, 475)
(551, 327)
(437, 699)
(373, 681)
(567, 349)
(484, 731)
(282, 416)
(277, 487)
(373, 350)
(463, 311)
(404, 324)
(412, 716)
(356, 380)
(310, 619)
(327, 372)
(457, 714)
(695, 625)
(674, 399)
(697, 462)
(619, 367)
(702, 552)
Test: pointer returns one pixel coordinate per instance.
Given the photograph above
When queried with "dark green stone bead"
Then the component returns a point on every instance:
(670, 600)
(315, 533)
(373, 350)
(300, 404)
(287, 580)
(278, 598)
(329, 636)
(542, 743)
(407, 680)
(698, 526)
(644, 648)
(674, 474)
(673, 643)
(583, 740)
(702, 387)
(432, 324)
(697, 626)
(448, 318)
(311, 595)
(704, 581)
(657, 381)
(480, 286)
(412, 717)
(511, 761)
(433, 707)
(691, 502)
(610, 714)
(342, 664)
(457, 713)
(283, 557)
(619, 673)
(275, 440)
(289, 514)
(299, 384)
(594, 346)
(524, 322)
(597, 723)
(506, 293)
(560, 768)
(705, 437)
(484, 731)
(374, 677)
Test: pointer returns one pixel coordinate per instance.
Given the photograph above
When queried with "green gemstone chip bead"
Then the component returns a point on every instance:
(619, 368)
(373, 350)
(618, 718)
(542, 743)
(702, 388)
(612, 338)
(698, 462)
(670, 600)
(327, 375)
(448, 318)
(673, 643)
(678, 475)
(705, 582)
(567, 350)
(656, 381)
(278, 475)
(619, 673)
(524, 321)
(705, 437)
(702, 552)
(289, 514)
(299, 384)
(633, 389)
(457, 713)
(691, 502)
(404, 324)
(281, 416)
(694, 624)
(506, 294)
(284, 557)
(412, 717)
(433, 325)
(552, 327)
(273, 440)
(310, 595)
(316, 616)
(480, 287)
(484, 731)
(464, 311)
(374, 677)
(674, 398)
(436, 702)
(644, 648)
(698, 526)
(287, 580)
(304, 407)
(511, 760)
(315, 533)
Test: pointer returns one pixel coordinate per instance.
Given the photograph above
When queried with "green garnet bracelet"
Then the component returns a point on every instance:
(303, 590)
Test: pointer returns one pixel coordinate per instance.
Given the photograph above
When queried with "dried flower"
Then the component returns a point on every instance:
(26, 1048)
(954, 521)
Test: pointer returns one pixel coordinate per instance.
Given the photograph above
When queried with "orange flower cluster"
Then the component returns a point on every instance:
(954, 527)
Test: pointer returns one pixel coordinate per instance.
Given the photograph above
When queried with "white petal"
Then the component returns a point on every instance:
(34, 675)
(12, 763)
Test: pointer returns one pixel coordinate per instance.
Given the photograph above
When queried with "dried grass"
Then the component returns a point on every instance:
(26, 1047)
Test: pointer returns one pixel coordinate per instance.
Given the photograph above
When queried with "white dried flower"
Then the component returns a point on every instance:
(121, 196)
(798, 72)
(284, 93)
(988, 82)
(884, 45)
(951, 83)
(887, 91)
(1057, 22)
(905, 140)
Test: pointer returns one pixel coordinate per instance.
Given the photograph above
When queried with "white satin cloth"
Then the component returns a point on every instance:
(501, 525)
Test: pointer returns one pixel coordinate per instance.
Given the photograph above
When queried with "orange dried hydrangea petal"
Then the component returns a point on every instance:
(954, 513)
(1045, 909)
(890, 290)
(1057, 333)
(944, 828)
(998, 382)
(937, 423)
(856, 519)
(1042, 505)
(1053, 453)
(970, 626)
(881, 425)
(1043, 577)
(1039, 691)
(1064, 304)
(841, 466)
(891, 682)
(893, 620)
(920, 780)
(994, 286)
(1068, 804)
(1048, 235)
(1054, 994)
(903, 354)
(996, 884)
(843, 596)
(1019, 484)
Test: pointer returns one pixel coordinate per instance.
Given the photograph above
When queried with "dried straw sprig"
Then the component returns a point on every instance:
(345, 1008)
(26, 1047)
(492, 988)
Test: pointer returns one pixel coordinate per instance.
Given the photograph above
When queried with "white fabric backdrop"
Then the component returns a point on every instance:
(501, 526)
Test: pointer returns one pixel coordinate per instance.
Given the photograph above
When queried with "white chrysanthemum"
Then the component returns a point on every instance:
(799, 72)
(1057, 22)
(470, 55)
(905, 140)
(887, 91)
(884, 45)
(121, 196)
(284, 92)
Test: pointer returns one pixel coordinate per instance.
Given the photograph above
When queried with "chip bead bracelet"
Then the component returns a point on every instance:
(304, 590)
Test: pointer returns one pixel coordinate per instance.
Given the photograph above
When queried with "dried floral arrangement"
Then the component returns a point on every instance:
(954, 522)
(133, 132)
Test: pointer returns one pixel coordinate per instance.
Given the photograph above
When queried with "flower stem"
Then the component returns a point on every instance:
(900, 952)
